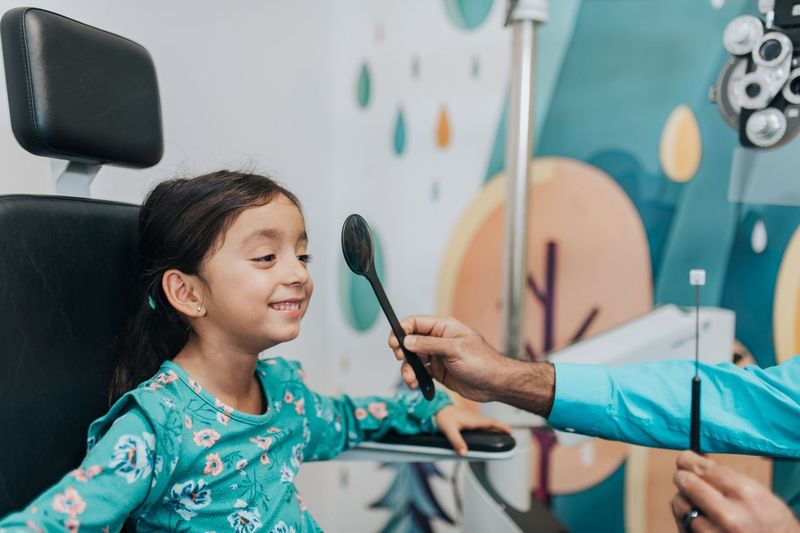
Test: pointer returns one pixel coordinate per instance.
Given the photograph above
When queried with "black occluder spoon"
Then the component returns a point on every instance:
(358, 250)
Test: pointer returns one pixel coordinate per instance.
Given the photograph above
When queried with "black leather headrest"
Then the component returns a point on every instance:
(67, 268)
(80, 93)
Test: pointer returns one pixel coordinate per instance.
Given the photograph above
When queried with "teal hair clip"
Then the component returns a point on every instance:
(151, 302)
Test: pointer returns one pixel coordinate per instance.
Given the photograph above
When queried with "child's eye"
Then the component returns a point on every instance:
(265, 259)
(305, 258)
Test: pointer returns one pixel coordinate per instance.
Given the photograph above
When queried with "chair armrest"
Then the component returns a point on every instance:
(423, 448)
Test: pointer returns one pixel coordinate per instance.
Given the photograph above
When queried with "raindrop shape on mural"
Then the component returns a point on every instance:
(415, 68)
(758, 238)
(356, 297)
(681, 147)
(468, 14)
(475, 69)
(717, 4)
(363, 88)
(400, 132)
(380, 33)
(443, 129)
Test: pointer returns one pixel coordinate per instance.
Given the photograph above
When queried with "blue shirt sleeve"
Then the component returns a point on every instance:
(743, 410)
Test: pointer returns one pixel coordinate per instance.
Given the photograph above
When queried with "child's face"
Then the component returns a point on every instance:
(258, 281)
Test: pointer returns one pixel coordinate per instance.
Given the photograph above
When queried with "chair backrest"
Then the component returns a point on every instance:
(66, 267)
(66, 264)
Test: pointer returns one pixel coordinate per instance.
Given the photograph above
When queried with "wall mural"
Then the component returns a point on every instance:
(629, 191)
(468, 14)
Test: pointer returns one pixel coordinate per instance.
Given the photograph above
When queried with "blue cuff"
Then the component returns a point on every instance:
(582, 398)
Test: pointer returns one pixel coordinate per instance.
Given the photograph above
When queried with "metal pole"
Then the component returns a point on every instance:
(512, 480)
(523, 17)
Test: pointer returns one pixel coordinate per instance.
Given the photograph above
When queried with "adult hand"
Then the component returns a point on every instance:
(458, 357)
(727, 501)
(454, 355)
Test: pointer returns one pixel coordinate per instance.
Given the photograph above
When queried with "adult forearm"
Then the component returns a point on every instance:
(527, 386)
(752, 410)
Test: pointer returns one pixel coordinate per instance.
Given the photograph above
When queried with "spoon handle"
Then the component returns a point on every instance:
(423, 378)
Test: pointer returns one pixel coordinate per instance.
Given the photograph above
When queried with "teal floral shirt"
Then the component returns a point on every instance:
(171, 457)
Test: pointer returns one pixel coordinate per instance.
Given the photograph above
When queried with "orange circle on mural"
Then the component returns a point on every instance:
(786, 306)
(583, 225)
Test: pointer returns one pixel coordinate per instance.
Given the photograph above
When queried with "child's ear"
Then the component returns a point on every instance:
(185, 292)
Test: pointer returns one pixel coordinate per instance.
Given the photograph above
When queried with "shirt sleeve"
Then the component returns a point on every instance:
(111, 482)
(743, 410)
(335, 424)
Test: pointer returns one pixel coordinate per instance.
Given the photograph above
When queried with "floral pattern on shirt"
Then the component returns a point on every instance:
(176, 458)
(188, 497)
(134, 456)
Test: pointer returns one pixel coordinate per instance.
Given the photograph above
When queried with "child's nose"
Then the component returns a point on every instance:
(297, 272)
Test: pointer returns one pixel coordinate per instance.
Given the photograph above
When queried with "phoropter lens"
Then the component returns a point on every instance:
(770, 50)
(752, 90)
(794, 86)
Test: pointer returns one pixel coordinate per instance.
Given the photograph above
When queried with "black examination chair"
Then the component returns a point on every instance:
(90, 97)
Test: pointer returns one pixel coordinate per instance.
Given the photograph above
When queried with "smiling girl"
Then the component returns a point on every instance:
(203, 433)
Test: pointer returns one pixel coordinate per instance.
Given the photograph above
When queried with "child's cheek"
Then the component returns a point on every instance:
(309, 291)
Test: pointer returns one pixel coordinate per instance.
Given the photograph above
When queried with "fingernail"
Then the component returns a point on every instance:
(410, 341)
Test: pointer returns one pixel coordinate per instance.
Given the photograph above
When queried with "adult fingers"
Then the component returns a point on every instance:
(408, 376)
(421, 324)
(721, 477)
(680, 508)
(398, 354)
(430, 345)
(702, 496)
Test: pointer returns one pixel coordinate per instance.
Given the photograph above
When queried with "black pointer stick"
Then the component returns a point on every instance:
(697, 278)
(358, 252)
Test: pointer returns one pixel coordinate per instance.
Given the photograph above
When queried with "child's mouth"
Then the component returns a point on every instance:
(287, 306)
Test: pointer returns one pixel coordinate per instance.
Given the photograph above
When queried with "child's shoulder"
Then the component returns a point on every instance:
(279, 367)
(157, 402)
(165, 389)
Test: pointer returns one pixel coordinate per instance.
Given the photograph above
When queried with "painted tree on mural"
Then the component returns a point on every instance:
(547, 300)
(546, 297)
(413, 504)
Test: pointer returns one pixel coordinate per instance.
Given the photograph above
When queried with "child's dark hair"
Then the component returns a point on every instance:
(180, 224)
